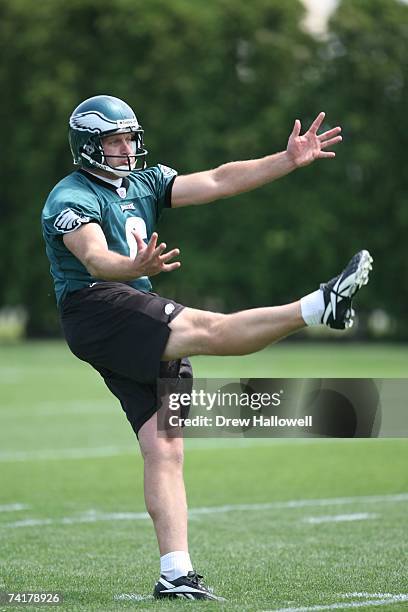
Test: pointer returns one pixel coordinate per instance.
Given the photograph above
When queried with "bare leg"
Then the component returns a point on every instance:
(200, 332)
(197, 332)
(164, 489)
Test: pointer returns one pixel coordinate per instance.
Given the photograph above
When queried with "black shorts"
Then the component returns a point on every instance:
(122, 333)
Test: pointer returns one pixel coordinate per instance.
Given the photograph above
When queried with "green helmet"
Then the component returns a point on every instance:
(96, 118)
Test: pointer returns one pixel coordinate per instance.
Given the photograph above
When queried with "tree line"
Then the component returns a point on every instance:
(211, 82)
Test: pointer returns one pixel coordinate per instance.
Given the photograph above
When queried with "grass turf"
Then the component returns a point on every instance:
(54, 410)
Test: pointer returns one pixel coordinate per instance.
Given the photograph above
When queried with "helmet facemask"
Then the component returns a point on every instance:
(93, 153)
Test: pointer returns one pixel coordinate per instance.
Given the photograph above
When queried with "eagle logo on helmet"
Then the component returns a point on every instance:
(92, 122)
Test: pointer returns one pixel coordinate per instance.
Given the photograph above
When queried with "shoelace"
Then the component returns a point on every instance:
(194, 577)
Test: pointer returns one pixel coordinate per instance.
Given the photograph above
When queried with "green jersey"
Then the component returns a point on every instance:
(82, 198)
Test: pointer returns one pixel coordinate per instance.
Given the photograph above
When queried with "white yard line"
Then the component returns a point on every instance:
(191, 444)
(304, 503)
(131, 597)
(112, 451)
(13, 507)
(58, 408)
(339, 518)
(68, 453)
(393, 599)
(382, 599)
(93, 516)
(385, 599)
(366, 595)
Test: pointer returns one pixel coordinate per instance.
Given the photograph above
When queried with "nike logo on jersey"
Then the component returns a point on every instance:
(129, 206)
(68, 220)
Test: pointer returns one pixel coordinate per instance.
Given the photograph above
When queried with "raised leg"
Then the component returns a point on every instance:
(198, 332)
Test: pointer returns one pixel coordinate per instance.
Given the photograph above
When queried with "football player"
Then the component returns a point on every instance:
(99, 228)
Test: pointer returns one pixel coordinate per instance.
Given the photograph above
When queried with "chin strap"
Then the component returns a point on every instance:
(119, 172)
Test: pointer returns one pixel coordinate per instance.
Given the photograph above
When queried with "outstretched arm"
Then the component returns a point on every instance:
(240, 176)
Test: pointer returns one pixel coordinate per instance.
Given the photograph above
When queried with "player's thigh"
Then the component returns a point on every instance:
(193, 332)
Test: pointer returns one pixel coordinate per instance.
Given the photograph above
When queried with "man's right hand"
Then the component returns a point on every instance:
(152, 259)
(88, 243)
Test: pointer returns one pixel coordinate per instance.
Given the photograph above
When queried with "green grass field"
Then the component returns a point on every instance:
(275, 524)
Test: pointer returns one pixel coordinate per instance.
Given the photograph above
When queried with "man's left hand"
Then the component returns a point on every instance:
(303, 150)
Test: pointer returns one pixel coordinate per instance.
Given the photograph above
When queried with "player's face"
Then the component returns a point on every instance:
(118, 148)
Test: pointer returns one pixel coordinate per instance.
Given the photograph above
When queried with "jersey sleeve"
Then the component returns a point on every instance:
(160, 179)
(66, 211)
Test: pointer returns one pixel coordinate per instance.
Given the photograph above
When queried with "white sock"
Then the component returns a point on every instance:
(175, 564)
(312, 307)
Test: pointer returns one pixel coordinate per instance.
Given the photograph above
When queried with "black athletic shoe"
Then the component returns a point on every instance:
(339, 291)
(186, 587)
